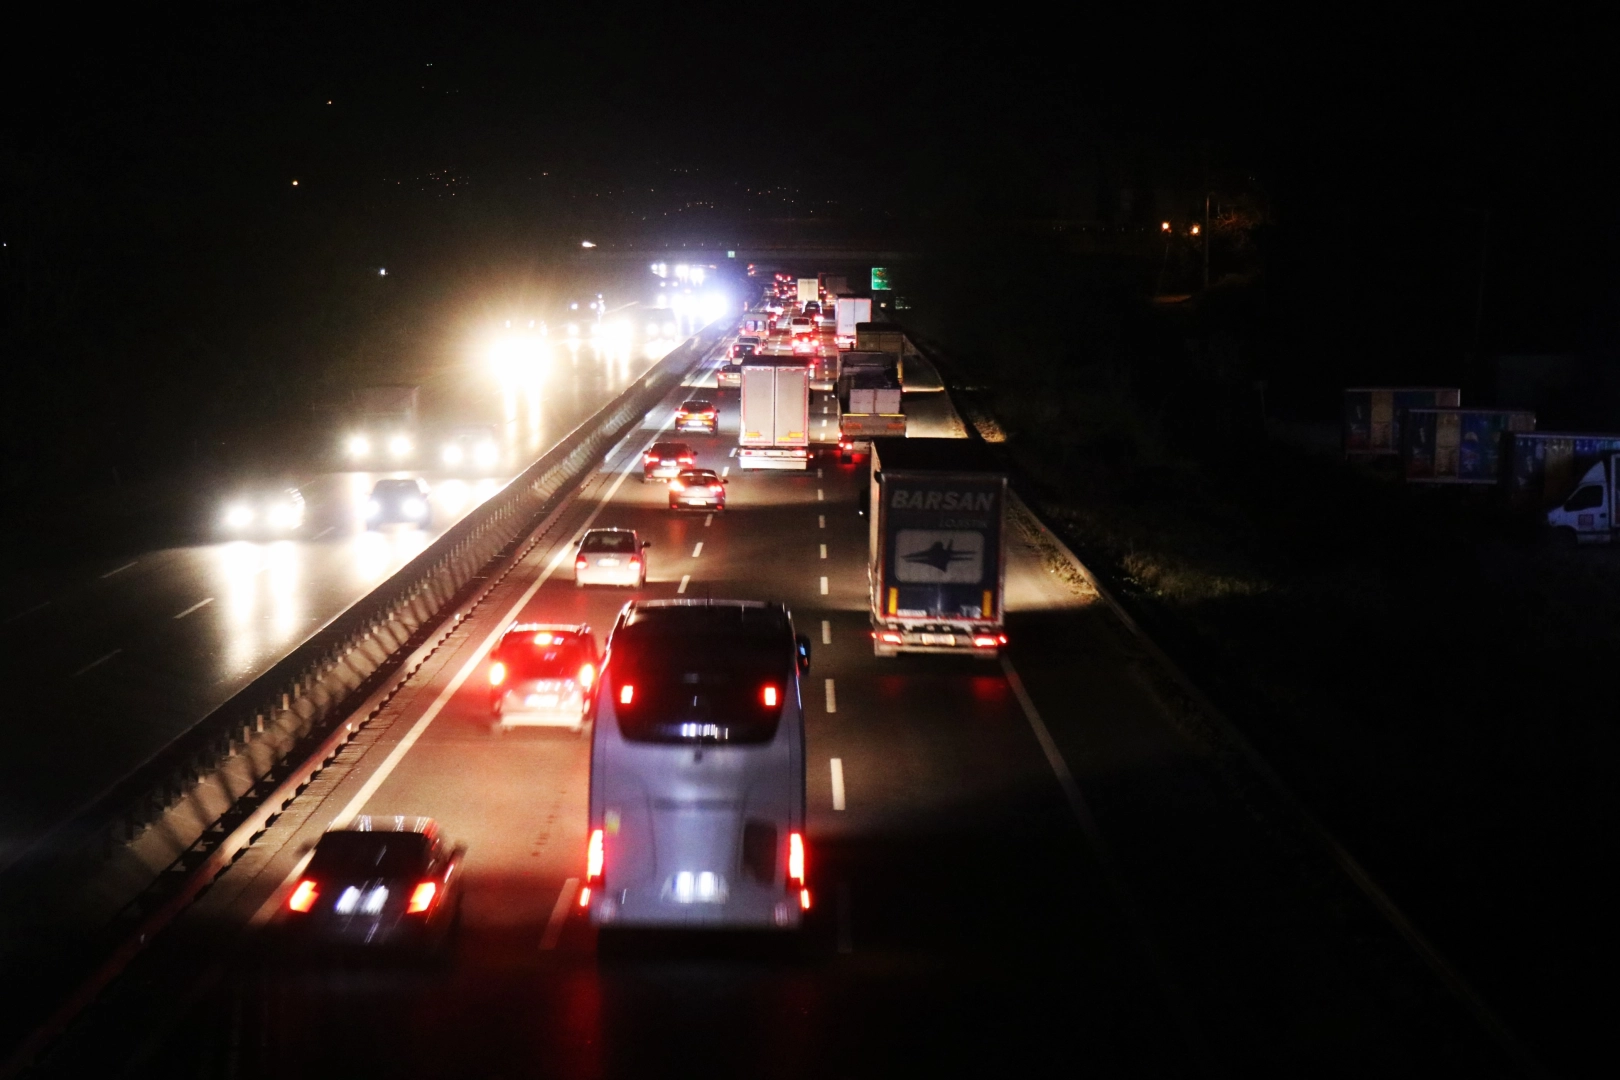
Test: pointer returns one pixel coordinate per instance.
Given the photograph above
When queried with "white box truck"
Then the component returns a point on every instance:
(774, 428)
(809, 289)
(850, 310)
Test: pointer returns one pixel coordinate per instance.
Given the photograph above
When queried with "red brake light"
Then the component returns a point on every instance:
(581, 563)
(593, 857)
(796, 858)
(627, 694)
(587, 675)
(768, 695)
(585, 897)
(422, 897)
(676, 485)
(497, 673)
(804, 899)
(546, 637)
(303, 897)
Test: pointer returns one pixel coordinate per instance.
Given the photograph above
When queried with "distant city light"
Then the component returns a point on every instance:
(382, 271)
(295, 183)
(1193, 231)
(1164, 226)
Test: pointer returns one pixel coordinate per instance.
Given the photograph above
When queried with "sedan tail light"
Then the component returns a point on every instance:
(795, 870)
(303, 897)
(497, 673)
(581, 563)
(422, 898)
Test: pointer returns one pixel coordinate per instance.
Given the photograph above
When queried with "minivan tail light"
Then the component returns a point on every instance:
(796, 858)
(303, 897)
(768, 695)
(627, 694)
(594, 858)
(422, 897)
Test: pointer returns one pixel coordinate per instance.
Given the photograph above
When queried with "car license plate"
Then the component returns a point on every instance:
(607, 562)
(542, 701)
(938, 639)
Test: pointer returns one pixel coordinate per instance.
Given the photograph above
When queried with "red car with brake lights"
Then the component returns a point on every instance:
(697, 489)
(665, 459)
(697, 416)
(543, 674)
(378, 882)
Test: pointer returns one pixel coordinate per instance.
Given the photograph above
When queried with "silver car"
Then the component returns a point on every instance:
(543, 674)
(697, 804)
(611, 557)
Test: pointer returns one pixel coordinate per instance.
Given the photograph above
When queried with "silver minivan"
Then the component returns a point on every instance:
(697, 805)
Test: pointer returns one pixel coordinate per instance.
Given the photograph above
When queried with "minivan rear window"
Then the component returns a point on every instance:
(688, 686)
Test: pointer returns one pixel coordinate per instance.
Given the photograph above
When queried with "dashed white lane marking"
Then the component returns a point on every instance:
(823, 586)
(96, 663)
(826, 632)
(41, 606)
(559, 914)
(726, 471)
(820, 495)
(818, 472)
(733, 452)
(823, 551)
(685, 580)
(118, 570)
(324, 531)
(708, 519)
(195, 607)
(837, 765)
(697, 550)
(832, 697)
(821, 521)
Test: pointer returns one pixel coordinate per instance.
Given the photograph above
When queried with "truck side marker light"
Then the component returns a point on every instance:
(594, 857)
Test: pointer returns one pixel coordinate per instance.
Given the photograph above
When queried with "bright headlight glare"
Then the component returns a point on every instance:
(359, 445)
(399, 446)
(486, 453)
(239, 517)
(452, 454)
(413, 507)
(373, 508)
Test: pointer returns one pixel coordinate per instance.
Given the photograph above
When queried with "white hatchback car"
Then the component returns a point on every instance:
(611, 557)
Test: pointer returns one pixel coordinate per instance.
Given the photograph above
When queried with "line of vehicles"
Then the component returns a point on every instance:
(694, 710)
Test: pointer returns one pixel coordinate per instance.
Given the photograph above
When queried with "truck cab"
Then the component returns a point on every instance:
(1588, 513)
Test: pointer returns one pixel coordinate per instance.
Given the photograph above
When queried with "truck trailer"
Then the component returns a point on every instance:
(1544, 467)
(1459, 446)
(849, 312)
(1372, 415)
(936, 561)
(809, 289)
(774, 427)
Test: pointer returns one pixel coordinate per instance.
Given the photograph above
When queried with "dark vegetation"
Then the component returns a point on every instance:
(1422, 669)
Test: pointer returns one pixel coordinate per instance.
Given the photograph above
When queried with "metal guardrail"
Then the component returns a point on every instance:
(234, 751)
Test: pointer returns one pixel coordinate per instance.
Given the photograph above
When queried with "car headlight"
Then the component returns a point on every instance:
(452, 454)
(373, 508)
(414, 508)
(239, 517)
(487, 453)
(399, 446)
(284, 516)
(359, 446)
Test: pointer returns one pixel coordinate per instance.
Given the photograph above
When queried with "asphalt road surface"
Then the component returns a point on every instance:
(1027, 865)
(106, 663)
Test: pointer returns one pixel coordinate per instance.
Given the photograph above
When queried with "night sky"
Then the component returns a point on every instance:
(157, 245)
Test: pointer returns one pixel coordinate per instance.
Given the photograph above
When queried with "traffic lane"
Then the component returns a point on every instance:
(1286, 966)
(947, 964)
(120, 675)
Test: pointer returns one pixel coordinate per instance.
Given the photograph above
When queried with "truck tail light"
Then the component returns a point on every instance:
(422, 898)
(985, 641)
(795, 870)
(889, 637)
(593, 858)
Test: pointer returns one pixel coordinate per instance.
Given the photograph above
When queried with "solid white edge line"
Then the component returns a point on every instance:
(832, 697)
(559, 914)
(836, 765)
(390, 763)
(194, 607)
(826, 632)
(686, 579)
(118, 570)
